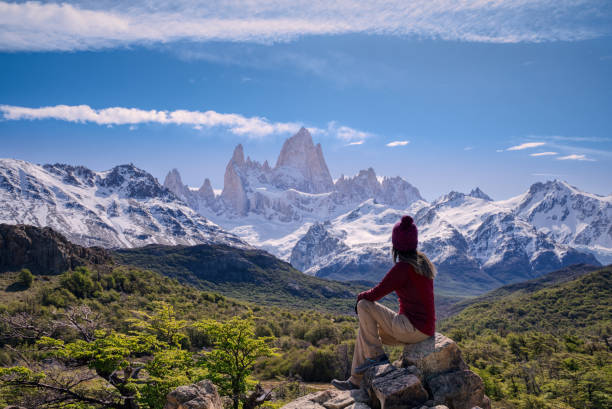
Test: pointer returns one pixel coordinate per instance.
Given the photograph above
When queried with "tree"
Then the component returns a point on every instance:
(131, 371)
(25, 278)
(235, 352)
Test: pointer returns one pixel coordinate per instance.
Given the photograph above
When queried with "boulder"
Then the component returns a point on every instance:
(201, 395)
(390, 387)
(435, 355)
(430, 375)
(459, 390)
(331, 399)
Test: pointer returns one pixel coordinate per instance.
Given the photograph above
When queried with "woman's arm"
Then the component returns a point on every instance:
(391, 281)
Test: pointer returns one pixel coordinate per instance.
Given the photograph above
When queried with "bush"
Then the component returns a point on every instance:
(25, 278)
(80, 283)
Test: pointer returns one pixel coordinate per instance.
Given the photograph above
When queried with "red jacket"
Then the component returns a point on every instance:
(415, 293)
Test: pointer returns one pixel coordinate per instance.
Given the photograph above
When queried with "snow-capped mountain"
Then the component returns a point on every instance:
(579, 219)
(121, 207)
(342, 229)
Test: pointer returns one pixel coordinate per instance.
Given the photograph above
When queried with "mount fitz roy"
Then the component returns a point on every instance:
(341, 229)
(337, 229)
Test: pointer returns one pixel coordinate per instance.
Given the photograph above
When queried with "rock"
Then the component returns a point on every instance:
(433, 376)
(43, 250)
(202, 395)
(435, 355)
(460, 390)
(331, 399)
(234, 193)
(301, 165)
(389, 387)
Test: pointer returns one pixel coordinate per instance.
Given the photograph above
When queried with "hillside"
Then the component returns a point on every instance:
(546, 348)
(524, 287)
(248, 274)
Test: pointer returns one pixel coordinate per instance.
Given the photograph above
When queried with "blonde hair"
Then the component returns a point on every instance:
(422, 265)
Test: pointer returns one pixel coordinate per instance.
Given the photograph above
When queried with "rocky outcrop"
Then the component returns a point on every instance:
(234, 192)
(436, 355)
(43, 251)
(316, 244)
(331, 399)
(301, 165)
(395, 191)
(201, 395)
(430, 374)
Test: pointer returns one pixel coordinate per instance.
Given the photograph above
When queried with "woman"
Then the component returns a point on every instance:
(412, 279)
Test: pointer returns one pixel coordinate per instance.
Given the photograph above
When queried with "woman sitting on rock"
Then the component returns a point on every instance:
(412, 279)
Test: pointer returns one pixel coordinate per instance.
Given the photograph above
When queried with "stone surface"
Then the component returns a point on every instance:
(389, 387)
(301, 165)
(459, 390)
(435, 355)
(434, 377)
(43, 251)
(331, 399)
(202, 395)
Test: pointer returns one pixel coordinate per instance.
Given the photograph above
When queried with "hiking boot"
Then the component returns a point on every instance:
(372, 362)
(344, 385)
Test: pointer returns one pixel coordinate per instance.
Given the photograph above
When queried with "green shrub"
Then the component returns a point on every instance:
(25, 278)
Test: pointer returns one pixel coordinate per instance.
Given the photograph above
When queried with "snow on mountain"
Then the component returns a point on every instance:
(342, 229)
(273, 208)
(121, 207)
(476, 244)
(579, 219)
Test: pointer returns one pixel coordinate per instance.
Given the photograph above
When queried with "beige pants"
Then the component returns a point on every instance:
(379, 325)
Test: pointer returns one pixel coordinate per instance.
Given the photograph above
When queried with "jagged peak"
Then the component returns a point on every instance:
(299, 143)
(173, 177)
(478, 193)
(551, 186)
(238, 155)
(206, 185)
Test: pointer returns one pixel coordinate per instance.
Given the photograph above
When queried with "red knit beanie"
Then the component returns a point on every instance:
(405, 235)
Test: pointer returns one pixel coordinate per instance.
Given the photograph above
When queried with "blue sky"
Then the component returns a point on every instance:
(491, 94)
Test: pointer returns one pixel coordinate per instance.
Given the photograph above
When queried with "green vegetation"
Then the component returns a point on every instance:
(25, 278)
(126, 336)
(246, 274)
(107, 333)
(546, 348)
(236, 350)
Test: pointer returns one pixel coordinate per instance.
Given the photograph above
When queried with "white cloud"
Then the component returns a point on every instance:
(397, 143)
(576, 157)
(355, 143)
(34, 25)
(544, 154)
(235, 123)
(526, 145)
(468, 148)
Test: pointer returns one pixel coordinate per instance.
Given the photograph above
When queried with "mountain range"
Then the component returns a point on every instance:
(338, 229)
(341, 229)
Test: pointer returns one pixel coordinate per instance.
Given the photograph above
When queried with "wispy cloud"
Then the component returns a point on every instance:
(235, 123)
(37, 25)
(343, 132)
(576, 157)
(544, 154)
(254, 126)
(355, 143)
(570, 138)
(397, 143)
(468, 148)
(526, 145)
